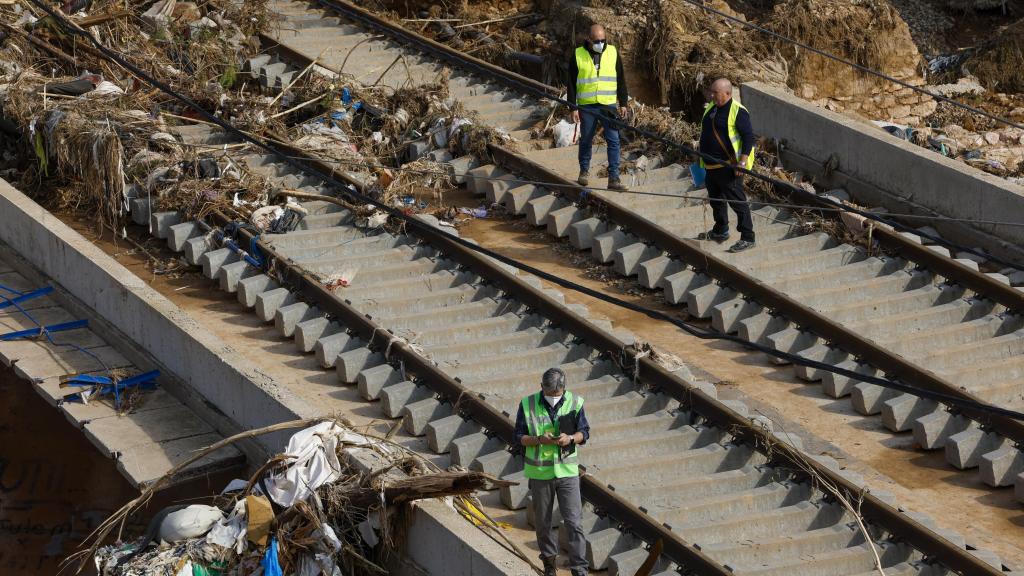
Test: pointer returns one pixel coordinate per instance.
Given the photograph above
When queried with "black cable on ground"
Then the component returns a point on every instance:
(421, 225)
(413, 38)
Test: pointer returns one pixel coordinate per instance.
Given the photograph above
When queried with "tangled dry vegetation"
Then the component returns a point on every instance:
(336, 501)
(88, 137)
(692, 48)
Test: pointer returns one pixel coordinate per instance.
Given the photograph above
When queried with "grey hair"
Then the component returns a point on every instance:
(553, 380)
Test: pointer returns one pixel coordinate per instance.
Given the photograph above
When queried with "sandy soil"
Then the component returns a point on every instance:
(921, 481)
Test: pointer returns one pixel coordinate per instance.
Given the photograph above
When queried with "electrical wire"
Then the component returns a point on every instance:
(420, 225)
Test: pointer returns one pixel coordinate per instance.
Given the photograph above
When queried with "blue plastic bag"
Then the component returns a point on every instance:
(698, 173)
(270, 565)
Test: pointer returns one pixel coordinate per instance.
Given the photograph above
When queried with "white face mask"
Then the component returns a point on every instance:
(552, 400)
(598, 46)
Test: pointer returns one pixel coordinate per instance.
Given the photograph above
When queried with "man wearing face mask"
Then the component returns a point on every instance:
(596, 83)
(549, 426)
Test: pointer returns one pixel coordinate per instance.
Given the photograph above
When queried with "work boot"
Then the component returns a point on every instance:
(584, 179)
(741, 246)
(616, 184)
(549, 566)
(712, 235)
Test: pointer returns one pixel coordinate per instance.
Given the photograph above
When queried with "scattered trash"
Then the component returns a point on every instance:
(480, 212)
(190, 522)
(335, 517)
(566, 133)
(900, 131)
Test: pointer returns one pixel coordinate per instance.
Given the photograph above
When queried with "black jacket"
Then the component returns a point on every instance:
(574, 72)
(709, 144)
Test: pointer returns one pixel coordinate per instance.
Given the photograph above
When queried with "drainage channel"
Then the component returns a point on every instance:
(449, 341)
(918, 315)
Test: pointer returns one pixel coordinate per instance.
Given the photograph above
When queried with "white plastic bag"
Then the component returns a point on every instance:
(189, 522)
(566, 133)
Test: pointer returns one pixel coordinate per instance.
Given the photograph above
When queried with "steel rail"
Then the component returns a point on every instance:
(949, 268)
(649, 373)
(603, 497)
(463, 400)
(804, 316)
(980, 283)
(441, 51)
(652, 374)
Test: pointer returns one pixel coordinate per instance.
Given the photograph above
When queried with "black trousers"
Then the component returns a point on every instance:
(723, 186)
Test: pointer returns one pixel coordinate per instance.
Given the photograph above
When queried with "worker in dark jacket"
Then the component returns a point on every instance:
(726, 134)
(596, 83)
(550, 424)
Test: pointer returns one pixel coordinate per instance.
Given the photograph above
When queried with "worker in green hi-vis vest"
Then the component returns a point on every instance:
(550, 424)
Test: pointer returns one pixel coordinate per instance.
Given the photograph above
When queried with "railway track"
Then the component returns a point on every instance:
(449, 340)
(912, 313)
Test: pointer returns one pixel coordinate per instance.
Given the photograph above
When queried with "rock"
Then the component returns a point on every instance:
(992, 138)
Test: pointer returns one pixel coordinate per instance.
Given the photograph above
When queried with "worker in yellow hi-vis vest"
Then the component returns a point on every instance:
(550, 424)
(596, 83)
(727, 135)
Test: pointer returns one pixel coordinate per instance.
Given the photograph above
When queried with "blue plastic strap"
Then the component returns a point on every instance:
(25, 296)
(104, 385)
(255, 257)
(35, 332)
(84, 380)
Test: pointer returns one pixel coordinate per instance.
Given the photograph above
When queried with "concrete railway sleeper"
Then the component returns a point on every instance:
(453, 366)
(879, 315)
(807, 294)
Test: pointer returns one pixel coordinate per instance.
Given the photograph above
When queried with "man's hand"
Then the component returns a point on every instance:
(563, 440)
(623, 111)
(741, 163)
(576, 116)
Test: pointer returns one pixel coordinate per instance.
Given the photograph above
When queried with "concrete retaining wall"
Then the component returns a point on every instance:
(879, 169)
(248, 398)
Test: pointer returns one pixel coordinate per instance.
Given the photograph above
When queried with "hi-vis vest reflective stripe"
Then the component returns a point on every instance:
(541, 462)
(734, 135)
(591, 88)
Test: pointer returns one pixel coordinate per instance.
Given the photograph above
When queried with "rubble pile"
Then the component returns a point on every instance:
(868, 32)
(693, 48)
(997, 64)
(335, 502)
(981, 142)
